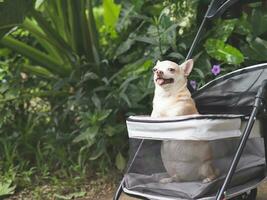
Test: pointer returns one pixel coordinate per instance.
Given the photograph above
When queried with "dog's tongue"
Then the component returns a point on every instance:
(160, 81)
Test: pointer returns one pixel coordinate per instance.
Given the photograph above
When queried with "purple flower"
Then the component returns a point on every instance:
(193, 83)
(216, 69)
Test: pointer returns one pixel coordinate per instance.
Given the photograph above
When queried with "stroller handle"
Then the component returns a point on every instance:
(219, 7)
(215, 9)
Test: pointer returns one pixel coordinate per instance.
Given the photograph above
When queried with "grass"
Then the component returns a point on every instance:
(94, 187)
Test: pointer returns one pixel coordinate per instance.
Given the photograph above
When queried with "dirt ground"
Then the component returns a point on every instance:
(100, 190)
(262, 192)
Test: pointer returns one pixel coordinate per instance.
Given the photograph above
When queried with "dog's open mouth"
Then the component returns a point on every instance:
(163, 81)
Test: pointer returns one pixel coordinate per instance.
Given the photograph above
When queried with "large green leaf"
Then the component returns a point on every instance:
(111, 14)
(258, 21)
(88, 135)
(224, 29)
(120, 161)
(243, 27)
(126, 45)
(53, 36)
(43, 39)
(12, 13)
(6, 187)
(35, 55)
(256, 50)
(127, 12)
(98, 150)
(223, 52)
(39, 71)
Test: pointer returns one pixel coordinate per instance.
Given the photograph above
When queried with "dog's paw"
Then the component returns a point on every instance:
(166, 180)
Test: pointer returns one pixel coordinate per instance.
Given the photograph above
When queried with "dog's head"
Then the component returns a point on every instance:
(168, 74)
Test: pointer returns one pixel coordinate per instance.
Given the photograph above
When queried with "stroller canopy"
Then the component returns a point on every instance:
(233, 93)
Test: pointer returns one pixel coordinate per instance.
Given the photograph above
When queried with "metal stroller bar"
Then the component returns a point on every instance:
(219, 7)
(197, 37)
(119, 190)
(259, 103)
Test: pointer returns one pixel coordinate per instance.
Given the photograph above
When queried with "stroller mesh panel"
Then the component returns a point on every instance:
(148, 168)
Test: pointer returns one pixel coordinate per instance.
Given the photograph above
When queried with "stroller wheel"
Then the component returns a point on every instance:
(251, 195)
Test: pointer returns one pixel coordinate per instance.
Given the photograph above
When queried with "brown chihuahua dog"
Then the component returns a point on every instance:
(183, 160)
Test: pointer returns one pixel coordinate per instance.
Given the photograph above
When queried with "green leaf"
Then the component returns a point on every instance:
(96, 101)
(39, 71)
(11, 94)
(176, 55)
(38, 3)
(104, 114)
(256, 50)
(44, 40)
(74, 19)
(203, 62)
(224, 29)
(90, 76)
(243, 27)
(223, 52)
(4, 52)
(146, 39)
(125, 98)
(12, 13)
(112, 130)
(52, 35)
(120, 161)
(126, 45)
(4, 88)
(93, 35)
(111, 14)
(35, 55)
(125, 16)
(6, 187)
(199, 72)
(88, 135)
(98, 151)
(258, 21)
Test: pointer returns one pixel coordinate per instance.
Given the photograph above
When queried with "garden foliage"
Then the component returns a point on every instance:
(72, 71)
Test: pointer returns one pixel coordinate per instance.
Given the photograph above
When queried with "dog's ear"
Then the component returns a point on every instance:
(158, 62)
(187, 67)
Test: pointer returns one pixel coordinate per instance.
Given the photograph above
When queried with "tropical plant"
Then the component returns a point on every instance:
(6, 184)
(60, 68)
(66, 99)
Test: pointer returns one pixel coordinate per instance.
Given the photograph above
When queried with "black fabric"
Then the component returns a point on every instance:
(233, 93)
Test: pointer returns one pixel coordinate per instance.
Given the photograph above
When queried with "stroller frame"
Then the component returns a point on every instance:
(216, 8)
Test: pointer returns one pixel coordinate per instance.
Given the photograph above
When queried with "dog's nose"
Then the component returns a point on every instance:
(159, 72)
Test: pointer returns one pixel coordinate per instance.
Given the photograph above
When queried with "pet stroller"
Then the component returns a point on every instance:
(233, 121)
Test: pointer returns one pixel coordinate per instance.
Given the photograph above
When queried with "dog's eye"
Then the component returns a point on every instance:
(171, 69)
(154, 69)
